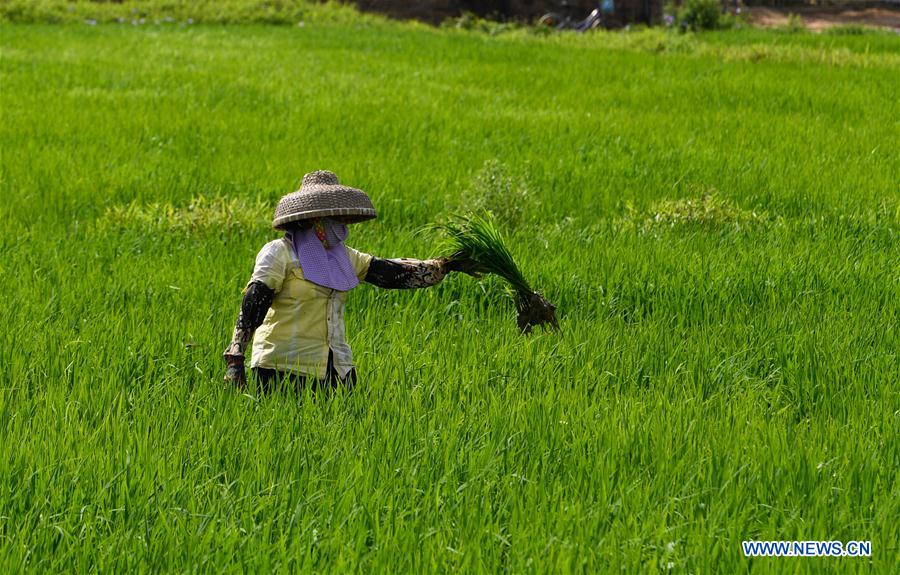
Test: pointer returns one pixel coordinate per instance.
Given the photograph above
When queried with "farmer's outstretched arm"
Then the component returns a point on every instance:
(257, 300)
(406, 273)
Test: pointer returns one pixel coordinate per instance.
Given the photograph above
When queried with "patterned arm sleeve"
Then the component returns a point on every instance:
(405, 273)
(257, 300)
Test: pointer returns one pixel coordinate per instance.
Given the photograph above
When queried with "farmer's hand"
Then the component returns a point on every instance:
(465, 266)
(234, 372)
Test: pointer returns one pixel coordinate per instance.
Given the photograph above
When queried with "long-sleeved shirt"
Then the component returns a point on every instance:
(297, 322)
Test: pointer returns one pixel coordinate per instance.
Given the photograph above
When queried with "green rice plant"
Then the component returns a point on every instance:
(478, 247)
(711, 385)
(708, 210)
(794, 24)
(847, 30)
(168, 12)
(201, 214)
(497, 190)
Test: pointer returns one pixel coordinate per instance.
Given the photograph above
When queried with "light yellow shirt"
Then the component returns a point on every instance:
(305, 320)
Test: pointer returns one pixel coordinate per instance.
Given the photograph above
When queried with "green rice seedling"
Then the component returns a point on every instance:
(497, 190)
(478, 247)
(712, 385)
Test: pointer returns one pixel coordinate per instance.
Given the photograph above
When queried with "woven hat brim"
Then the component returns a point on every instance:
(349, 215)
(323, 201)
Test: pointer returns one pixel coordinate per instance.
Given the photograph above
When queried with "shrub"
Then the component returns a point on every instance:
(473, 22)
(794, 23)
(695, 15)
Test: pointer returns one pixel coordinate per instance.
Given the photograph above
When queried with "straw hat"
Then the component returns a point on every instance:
(322, 196)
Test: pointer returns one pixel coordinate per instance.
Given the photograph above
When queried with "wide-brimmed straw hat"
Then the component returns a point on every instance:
(321, 195)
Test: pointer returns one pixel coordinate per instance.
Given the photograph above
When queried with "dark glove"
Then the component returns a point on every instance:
(235, 373)
(464, 265)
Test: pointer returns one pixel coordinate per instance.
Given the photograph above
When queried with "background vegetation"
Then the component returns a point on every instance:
(716, 216)
(141, 12)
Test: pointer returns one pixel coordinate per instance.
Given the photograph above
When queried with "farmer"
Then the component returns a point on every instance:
(294, 301)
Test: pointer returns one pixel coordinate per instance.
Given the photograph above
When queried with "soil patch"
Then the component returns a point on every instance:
(821, 18)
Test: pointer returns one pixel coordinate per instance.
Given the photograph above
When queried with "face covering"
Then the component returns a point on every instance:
(322, 255)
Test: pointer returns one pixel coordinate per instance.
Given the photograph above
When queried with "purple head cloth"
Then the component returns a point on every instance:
(328, 267)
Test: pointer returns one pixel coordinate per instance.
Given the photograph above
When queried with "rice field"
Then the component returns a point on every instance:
(717, 218)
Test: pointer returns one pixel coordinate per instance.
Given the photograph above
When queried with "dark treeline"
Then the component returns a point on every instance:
(626, 11)
(436, 11)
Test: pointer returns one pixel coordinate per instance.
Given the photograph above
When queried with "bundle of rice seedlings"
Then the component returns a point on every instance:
(477, 247)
